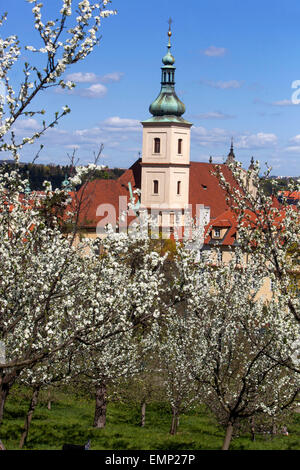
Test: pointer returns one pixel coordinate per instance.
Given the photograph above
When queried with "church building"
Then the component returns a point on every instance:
(164, 179)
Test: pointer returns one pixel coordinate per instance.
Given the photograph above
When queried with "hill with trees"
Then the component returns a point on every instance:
(55, 174)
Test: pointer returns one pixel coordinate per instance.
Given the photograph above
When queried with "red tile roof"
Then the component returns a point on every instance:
(226, 220)
(102, 191)
(229, 220)
(204, 189)
(289, 194)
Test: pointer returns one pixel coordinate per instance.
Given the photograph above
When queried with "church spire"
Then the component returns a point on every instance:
(168, 59)
(252, 165)
(167, 103)
(231, 156)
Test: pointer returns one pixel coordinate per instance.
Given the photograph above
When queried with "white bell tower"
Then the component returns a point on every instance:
(166, 147)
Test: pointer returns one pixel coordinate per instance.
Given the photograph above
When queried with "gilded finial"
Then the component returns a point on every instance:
(170, 32)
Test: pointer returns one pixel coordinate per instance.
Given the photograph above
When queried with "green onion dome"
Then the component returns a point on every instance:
(167, 103)
(168, 59)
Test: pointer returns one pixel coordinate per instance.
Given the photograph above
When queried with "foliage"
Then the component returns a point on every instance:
(266, 229)
(71, 416)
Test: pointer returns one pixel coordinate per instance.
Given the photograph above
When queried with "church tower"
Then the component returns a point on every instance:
(231, 155)
(166, 146)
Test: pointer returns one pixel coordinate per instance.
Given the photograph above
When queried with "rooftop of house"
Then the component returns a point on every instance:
(204, 188)
(227, 221)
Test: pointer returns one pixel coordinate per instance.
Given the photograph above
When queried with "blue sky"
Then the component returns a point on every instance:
(236, 61)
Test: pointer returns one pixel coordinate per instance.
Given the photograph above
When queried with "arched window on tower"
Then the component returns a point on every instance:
(157, 145)
(178, 187)
(180, 146)
(155, 186)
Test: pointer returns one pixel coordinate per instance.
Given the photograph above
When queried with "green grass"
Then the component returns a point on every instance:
(70, 421)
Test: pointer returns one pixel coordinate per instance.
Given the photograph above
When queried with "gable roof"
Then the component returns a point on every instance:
(204, 188)
(226, 220)
(106, 191)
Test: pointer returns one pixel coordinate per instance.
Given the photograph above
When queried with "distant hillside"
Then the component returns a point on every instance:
(56, 174)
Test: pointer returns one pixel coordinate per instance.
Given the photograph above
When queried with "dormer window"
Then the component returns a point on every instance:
(155, 187)
(157, 145)
(178, 188)
(217, 233)
(180, 146)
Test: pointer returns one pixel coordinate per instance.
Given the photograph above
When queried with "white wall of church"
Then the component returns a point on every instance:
(164, 180)
(169, 136)
(170, 182)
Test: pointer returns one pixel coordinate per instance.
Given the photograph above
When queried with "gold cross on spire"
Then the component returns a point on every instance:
(170, 32)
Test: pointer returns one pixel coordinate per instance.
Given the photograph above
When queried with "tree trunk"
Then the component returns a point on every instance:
(100, 408)
(6, 382)
(228, 436)
(3, 395)
(175, 421)
(49, 401)
(143, 413)
(252, 429)
(2, 445)
(274, 429)
(32, 405)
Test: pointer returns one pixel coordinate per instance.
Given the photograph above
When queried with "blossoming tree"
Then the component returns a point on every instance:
(124, 290)
(238, 348)
(267, 230)
(43, 278)
(64, 41)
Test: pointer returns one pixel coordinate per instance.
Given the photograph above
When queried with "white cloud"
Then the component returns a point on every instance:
(29, 124)
(118, 123)
(214, 136)
(90, 77)
(213, 51)
(80, 77)
(111, 77)
(213, 115)
(283, 103)
(72, 146)
(112, 132)
(293, 149)
(221, 137)
(280, 103)
(296, 139)
(223, 85)
(94, 91)
(258, 140)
